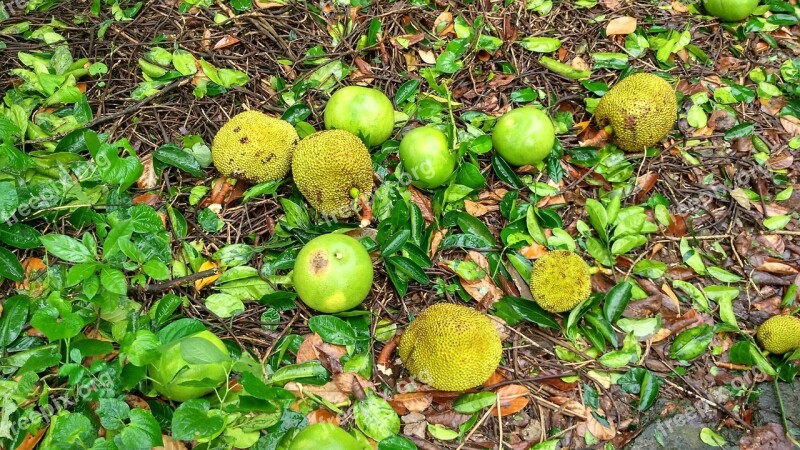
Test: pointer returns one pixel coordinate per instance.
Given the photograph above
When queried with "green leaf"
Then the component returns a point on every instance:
(113, 413)
(196, 350)
(441, 433)
(723, 275)
(777, 222)
(12, 320)
(709, 437)
(472, 403)
(19, 235)
(224, 305)
(184, 62)
(597, 217)
(627, 243)
(143, 431)
(534, 229)
(8, 200)
(649, 390)
(740, 131)
(616, 301)
(195, 420)
(410, 268)
(697, 296)
(396, 443)
(142, 349)
(617, 358)
(113, 280)
(505, 172)
(175, 156)
(691, 343)
(472, 225)
(406, 91)
(67, 248)
(375, 417)
(465, 241)
(540, 44)
(308, 371)
(394, 242)
(10, 267)
(332, 329)
(55, 327)
(516, 310)
(649, 268)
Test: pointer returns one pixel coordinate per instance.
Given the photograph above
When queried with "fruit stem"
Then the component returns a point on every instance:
(366, 208)
(609, 130)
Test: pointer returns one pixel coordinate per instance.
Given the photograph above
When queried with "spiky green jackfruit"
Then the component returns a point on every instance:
(451, 347)
(560, 280)
(641, 110)
(254, 147)
(779, 334)
(328, 168)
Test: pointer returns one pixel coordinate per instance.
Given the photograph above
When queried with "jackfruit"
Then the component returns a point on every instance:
(328, 168)
(779, 334)
(640, 110)
(451, 347)
(254, 147)
(560, 280)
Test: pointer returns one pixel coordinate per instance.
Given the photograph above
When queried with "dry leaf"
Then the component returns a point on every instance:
(30, 440)
(312, 346)
(170, 444)
(33, 267)
(203, 282)
(477, 209)
(679, 7)
(791, 125)
(412, 401)
(328, 391)
(268, 5)
(612, 4)
(427, 56)
(599, 430)
(322, 416)
(579, 63)
(621, 25)
(226, 41)
(671, 294)
(484, 291)
(444, 23)
(344, 381)
(512, 398)
(533, 251)
(436, 240)
(773, 266)
(148, 178)
(423, 203)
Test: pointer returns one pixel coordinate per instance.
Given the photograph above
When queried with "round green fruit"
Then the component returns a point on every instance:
(730, 10)
(426, 157)
(324, 436)
(365, 112)
(333, 273)
(524, 136)
(168, 372)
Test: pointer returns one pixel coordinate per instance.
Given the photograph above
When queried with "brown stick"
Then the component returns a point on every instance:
(159, 287)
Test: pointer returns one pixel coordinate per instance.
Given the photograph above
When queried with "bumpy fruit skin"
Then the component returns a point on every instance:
(365, 112)
(560, 280)
(165, 370)
(327, 166)
(426, 157)
(324, 436)
(779, 334)
(641, 110)
(254, 147)
(451, 347)
(333, 273)
(730, 10)
(524, 136)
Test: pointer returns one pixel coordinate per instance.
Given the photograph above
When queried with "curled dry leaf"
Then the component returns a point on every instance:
(207, 281)
(436, 240)
(791, 125)
(423, 203)
(621, 25)
(147, 180)
(599, 429)
(444, 24)
(484, 290)
(313, 346)
(345, 380)
(511, 398)
(477, 209)
(33, 267)
(448, 418)
(533, 251)
(411, 401)
(772, 265)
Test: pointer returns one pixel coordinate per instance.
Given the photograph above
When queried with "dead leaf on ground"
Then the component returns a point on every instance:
(612, 4)
(427, 56)
(512, 399)
(344, 381)
(207, 281)
(777, 267)
(226, 41)
(147, 180)
(484, 291)
(679, 7)
(322, 415)
(33, 267)
(170, 444)
(312, 346)
(621, 25)
(448, 418)
(768, 437)
(407, 40)
(444, 24)
(412, 401)
(533, 251)
(598, 429)
(436, 240)
(328, 391)
(31, 440)
(478, 209)
(268, 5)
(423, 203)
(791, 125)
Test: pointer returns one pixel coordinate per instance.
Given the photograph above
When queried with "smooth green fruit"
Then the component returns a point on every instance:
(365, 112)
(524, 136)
(730, 10)
(333, 273)
(426, 157)
(168, 372)
(324, 436)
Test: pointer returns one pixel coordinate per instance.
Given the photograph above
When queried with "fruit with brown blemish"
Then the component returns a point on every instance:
(333, 273)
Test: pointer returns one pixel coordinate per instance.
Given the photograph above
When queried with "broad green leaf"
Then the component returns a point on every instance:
(472, 403)
(691, 343)
(332, 329)
(196, 350)
(375, 417)
(194, 419)
(67, 248)
(224, 305)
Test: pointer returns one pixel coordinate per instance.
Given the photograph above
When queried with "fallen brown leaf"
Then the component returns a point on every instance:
(412, 401)
(226, 41)
(621, 25)
(511, 398)
(322, 415)
(147, 180)
(203, 282)
(679, 7)
(328, 391)
(30, 440)
(312, 345)
(599, 430)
